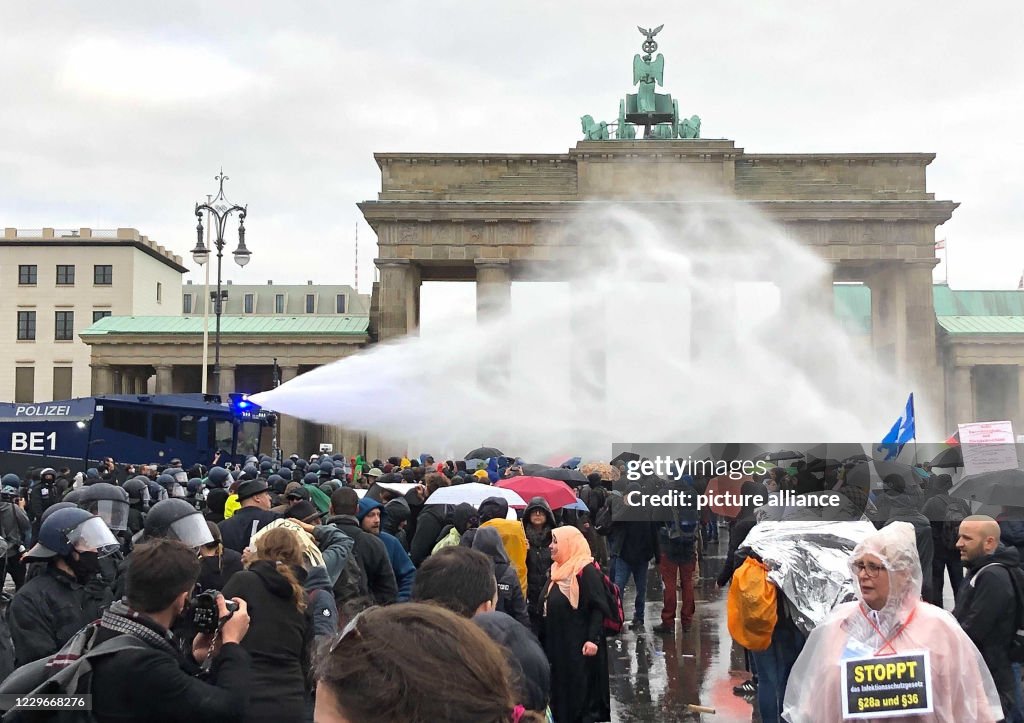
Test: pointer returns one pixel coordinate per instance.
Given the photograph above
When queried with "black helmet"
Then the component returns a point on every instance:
(137, 490)
(54, 507)
(326, 467)
(75, 496)
(218, 476)
(65, 529)
(176, 519)
(108, 502)
(310, 478)
(266, 465)
(166, 481)
(287, 464)
(48, 472)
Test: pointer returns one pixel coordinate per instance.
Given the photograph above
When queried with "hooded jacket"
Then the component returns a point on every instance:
(531, 672)
(538, 554)
(279, 642)
(322, 611)
(373, 556)
(429, 523)
(962, 688)
(510, 594)
(982, 608)
(401, 564)
(395, 513)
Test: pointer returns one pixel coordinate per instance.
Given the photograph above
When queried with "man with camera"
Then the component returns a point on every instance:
(161, 577)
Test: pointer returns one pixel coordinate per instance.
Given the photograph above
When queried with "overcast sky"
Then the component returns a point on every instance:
(121, 113)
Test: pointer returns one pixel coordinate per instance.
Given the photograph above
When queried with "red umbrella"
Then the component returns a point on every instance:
(557, 494)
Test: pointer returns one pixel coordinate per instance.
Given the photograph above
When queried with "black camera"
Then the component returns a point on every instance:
(204, 612)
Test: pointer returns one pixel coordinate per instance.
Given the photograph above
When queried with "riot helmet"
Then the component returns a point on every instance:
(138, 491)
(176, 519)
(108, 502)
(72, 529)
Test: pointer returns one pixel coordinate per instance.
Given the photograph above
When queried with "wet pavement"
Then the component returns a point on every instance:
(654, 677)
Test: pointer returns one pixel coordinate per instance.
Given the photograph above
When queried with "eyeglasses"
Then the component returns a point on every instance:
(868, 568)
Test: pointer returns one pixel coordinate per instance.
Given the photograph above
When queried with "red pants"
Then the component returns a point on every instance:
(681, 573)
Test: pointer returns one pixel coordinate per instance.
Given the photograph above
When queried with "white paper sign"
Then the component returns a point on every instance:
(988, 447)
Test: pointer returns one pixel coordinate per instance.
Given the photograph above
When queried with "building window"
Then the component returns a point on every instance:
(27, 274)
(186, 304)
(62, 382)
(65, 277)
(97, 315)
(340, 304)
(103, 275)
(64, 327)
(24, 385)
(279, 304)
(248, 303)
(26, 326)
(310, 303)
(159, 292)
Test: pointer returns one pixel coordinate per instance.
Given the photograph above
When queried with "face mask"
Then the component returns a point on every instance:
(86, 566)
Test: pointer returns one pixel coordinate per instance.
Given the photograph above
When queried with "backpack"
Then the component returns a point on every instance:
(611, 625)
(75, 678)
(352, 583)
(955, 514)
(604, 519)
(1016, 649)
(451, 538)
(752, 606)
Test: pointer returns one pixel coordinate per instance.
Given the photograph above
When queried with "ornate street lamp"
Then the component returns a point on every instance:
(219, 210)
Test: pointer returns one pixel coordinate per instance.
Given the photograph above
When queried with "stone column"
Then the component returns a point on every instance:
(288, 426)
(399, 298)
(102, 378)
(164, 379)
(1018, 428)
(493, 303)
(921, 354)
(888, 318)
(227, 379)
(963, 395)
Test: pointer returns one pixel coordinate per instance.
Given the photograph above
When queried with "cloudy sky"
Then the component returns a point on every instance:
(121, 113)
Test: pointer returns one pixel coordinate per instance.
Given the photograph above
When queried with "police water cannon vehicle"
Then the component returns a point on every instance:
(131, 428)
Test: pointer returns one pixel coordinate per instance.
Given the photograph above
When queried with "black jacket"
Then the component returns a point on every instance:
(510, 592)
(983, 608)
(429, 523)
(214, 572)
(49, 609)
(531, 672)
(538, 555)
(237, 530)
(373, 556)
(279, 641)
(120, 695)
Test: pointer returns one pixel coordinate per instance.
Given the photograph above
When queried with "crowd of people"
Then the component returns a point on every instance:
(329, 589)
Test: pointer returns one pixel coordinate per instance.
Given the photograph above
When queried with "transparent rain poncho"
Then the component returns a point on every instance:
(962, 688)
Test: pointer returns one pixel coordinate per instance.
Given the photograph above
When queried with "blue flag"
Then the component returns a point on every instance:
(902, 432)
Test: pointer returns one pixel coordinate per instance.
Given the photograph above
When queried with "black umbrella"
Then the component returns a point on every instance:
(483, 453)
(780, 455)
(534, 470)
(1004, 485)
(572, 477)
(625, 457)
(950, 457)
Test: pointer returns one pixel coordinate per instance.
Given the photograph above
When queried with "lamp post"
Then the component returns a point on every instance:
(219, 210)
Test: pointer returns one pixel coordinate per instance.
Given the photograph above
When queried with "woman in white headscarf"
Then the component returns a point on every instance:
(889, 618)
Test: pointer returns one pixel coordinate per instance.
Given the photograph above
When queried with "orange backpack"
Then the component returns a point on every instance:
(752, 605)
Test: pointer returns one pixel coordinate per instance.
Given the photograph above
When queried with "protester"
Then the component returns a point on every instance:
(945, 513)
(984, 600)
(68, 592)
(575, 606)
(889, 618)
(378, 577)
(677, 544)
(409, 664)
(161, 576)
(510, 593)
(217, 563)
(538, 522)
(634, 544)
(458, 578)
(430, 521)
(15, 529)
(280, 633)
(369, 516)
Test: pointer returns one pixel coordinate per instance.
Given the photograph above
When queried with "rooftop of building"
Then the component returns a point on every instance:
(232, 325)
(92, 237)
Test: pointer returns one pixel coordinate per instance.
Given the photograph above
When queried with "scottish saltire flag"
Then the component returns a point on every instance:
(902, 432)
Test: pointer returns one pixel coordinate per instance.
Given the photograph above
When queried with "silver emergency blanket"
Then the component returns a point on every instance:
(809, 562)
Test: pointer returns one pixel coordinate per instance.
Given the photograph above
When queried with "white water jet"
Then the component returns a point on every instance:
(713, 326)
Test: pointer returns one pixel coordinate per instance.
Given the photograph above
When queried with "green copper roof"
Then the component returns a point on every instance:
(958, 312)
(308, 325)
(982, 324)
